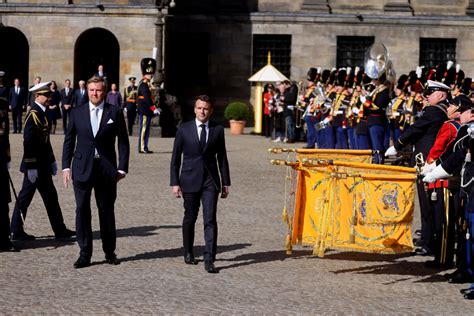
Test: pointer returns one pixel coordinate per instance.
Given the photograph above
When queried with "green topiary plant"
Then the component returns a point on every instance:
(236, 111)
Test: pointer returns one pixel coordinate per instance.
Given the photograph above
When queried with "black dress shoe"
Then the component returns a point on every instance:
(22, 236)
(460, 278)
(418, 232)
(418, 242)
(66, 233)
(82, 262)
(469, 295)
(112, 259)
(189, 259)
(423, 252)
(7, 246)
(210, 267)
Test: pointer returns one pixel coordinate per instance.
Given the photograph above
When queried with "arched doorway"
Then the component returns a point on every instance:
(94, 47)
(14, 59)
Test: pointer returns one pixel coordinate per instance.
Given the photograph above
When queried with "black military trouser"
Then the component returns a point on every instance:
(444, 227)
(427, 234)
(44, 184)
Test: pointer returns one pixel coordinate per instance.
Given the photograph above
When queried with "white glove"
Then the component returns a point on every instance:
(427, 168)
(125, 110)
(362, 98)
(437, 173)
(157, 111)
(391, 152)
(32, 175)
(54, 167)
(355, 110)
(326, 120)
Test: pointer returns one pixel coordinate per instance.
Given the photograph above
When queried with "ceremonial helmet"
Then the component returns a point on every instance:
(466, 86)
(340, 79)
(312, 74)
(402, 83)
(148, 66)
(325, 76)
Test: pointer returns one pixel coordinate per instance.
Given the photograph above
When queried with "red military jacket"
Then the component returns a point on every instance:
(445, 138)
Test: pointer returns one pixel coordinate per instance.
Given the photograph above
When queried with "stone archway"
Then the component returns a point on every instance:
(94, 47)
(14, 58)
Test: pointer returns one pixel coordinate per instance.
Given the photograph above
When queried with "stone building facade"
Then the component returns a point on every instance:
(214, 46)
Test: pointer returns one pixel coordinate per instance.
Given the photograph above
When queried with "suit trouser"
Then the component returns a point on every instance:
(208, 195)
(4, 223)
(143, 132)
(44, 184)
(105, 190)
(65, 115)
(17, 120)
(131, 116)
(311, 131)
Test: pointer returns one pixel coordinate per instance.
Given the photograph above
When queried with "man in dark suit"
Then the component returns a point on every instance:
(17, 101)
(38, 165)
(100, 72)
(67, 100)
(203, 169)
(90, 139)
(5, 197)
(80, 94)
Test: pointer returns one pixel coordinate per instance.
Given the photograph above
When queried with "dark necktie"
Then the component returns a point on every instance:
(202, 139)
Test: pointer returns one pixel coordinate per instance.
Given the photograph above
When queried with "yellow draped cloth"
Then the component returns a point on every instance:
(350, 205)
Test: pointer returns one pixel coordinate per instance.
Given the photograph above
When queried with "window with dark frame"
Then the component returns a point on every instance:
(280, 48)
(434, 51)
(351, 50)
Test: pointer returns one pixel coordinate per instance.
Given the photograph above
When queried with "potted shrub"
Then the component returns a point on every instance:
(237, 113)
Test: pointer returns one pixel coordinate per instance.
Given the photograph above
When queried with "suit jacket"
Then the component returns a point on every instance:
(38, 153)
(67, 98)
(17, 101)
(80, 143)
(80, 99)
(212, 158)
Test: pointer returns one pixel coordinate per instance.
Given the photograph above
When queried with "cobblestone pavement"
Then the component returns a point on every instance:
(255, 274)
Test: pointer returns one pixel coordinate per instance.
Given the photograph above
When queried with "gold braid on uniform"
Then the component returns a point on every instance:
(43, 128)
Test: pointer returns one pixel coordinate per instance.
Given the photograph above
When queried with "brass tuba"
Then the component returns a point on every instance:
(377, 61)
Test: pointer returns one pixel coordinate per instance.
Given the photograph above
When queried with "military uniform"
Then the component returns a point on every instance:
(145, 105)
(130, 97)
(38, 165)
(5, 197)
(423, 134)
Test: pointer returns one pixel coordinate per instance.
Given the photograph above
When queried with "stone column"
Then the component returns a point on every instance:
(398, 6)
(316, 5)
(159, 44)
(470, 8)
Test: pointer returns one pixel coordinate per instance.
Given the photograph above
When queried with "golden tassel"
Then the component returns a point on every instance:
(284, 215)
(288, 246)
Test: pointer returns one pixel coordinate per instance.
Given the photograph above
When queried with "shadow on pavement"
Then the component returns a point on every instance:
(49, 241)
(178, 252)
(262, 257)
(391, 265)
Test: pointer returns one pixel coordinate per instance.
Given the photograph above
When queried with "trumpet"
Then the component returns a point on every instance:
(300, 104)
